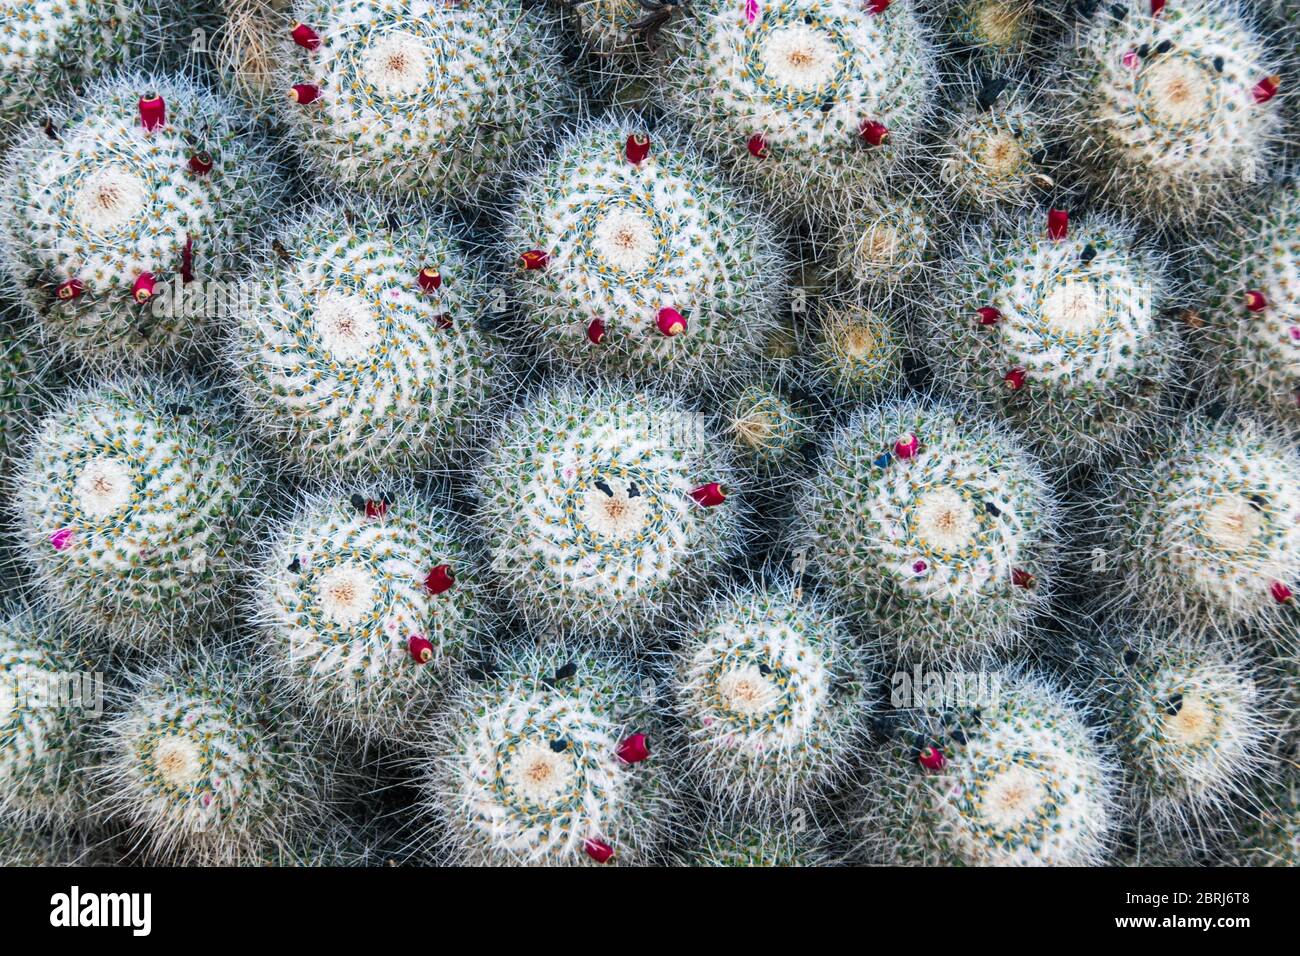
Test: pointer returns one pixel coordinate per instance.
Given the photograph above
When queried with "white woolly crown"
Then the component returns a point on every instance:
(588, 512)
(420, 96)
(362, 350)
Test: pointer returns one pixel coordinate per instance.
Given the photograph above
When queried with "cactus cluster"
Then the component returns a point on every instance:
(771, 693)
(136, 502)
(1170, 107)
(555, 758)
(653, 264)
(417, 97)
(1251, 287)
(810, 100)
(1206, 531)
(135, 190)
(649, 432)
(367, 604)
(1057, 326)
(1019, 781)
(361, 349)
(603, 508)
(933, 528)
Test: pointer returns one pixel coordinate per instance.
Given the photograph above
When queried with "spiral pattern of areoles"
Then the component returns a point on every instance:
(133, 506)
(422, 96)
(190, 761)
(588, 511)
(1219, 521)
(344, 595)
(540, 774)
(355, 365)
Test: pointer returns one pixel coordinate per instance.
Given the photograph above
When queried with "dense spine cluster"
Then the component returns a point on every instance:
(810, 100)
(933, 528)
(1171, 107)
(50, 47)
(993, 150)
(788, 841)
(206, 770)
(1001, 32)
(368, 604)
(1019, 781)
(653, 263)
(602, 508)
(135, 191)
(1191, 725)
(1206, 531)
(740, 433)
(1058, 328)
(135, 504)
(1270, 836)
(768, 430)
(419, 97)
(555, 759)
(21, 379)
(362, 350)
(771, 692)
(44, 711)
(1251, 286)
(883, 240)
(855, 352)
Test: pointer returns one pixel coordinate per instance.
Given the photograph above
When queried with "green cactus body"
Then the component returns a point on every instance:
(206, 775)
(883, 241)
(21, 382)
(626, 240)
(1207, 532)
(768, 430)
(1018, 782)
(351, 360)
(784, 843)
(349, 612)
(106, 221)
(49, 47)
(1002, 31)
(856, 352)
(992, 152)
(771, 691)
(43, 712)
(1253, 344)
(782, 90)
(946, 553)
(134, 504)
(1075, 353)
(1271, 836)
(531, 767)
(609, 29)
(587, 510)
(1189, 722)
(413, 97)
(1165, 112)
